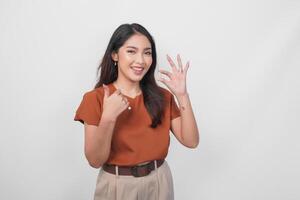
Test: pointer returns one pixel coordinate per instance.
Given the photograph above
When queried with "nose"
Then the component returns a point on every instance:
(140, 59)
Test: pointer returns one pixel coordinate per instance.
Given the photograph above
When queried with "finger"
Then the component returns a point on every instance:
(118, 92)
(165, 72)
(164, 81)
(124, 100)
(127, 105)
(106, 91)
(179, 62)
(186, 66)
(174, 68)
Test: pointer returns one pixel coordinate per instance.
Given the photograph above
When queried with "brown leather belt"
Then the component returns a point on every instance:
(136, 171)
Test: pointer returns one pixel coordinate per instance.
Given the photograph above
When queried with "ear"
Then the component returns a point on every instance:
(114, 56)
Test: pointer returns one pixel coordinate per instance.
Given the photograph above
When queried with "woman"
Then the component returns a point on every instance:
(127, 118)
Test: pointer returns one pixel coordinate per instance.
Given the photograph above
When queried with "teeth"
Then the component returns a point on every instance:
(137, 69)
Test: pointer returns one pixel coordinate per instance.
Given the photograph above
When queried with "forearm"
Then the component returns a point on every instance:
(189, 129)
(100, 143)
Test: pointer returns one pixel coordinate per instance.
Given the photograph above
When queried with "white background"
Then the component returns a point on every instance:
(243, 82)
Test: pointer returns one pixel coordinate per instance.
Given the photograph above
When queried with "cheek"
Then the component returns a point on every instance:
(149, 61)
(125, 58)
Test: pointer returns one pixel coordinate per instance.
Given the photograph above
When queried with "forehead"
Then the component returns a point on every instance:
(138, 40)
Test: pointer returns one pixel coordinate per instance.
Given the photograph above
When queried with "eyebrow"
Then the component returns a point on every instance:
(137, 48)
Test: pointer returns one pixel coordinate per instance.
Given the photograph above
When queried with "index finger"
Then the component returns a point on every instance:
(118, 92)
(171, 63)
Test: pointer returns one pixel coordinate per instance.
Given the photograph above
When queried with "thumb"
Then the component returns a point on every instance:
(106, 91)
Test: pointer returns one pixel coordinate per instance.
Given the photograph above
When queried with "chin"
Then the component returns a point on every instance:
(136, 79)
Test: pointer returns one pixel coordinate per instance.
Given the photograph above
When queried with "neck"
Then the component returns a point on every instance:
(128, 87)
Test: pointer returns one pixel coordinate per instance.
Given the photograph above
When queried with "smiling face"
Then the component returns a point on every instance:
(134, 58)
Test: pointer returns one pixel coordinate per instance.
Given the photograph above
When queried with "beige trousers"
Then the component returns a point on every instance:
(158, 185)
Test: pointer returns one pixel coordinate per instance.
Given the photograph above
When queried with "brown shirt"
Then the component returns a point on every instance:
(133, 141)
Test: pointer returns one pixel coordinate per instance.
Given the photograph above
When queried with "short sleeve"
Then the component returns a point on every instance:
(89, 110)
(175, 112)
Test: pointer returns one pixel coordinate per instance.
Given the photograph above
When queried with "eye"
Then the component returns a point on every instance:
(148, 53)
(130, 51)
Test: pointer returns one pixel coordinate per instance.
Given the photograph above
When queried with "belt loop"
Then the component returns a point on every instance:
(117, 170)
(157, 180)
(116, 181)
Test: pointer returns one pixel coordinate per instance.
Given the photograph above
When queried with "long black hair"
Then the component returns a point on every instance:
(153, 95)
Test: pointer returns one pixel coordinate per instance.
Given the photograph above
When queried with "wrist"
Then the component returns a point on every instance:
(108, 118)
(182, 95)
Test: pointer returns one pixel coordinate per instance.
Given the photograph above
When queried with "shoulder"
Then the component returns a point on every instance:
(94, 94)
(167, 94)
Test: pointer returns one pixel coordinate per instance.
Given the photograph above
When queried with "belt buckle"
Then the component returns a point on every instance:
(134, 169)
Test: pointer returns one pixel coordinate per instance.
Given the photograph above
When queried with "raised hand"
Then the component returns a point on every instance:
(114, 104)
(177, 82)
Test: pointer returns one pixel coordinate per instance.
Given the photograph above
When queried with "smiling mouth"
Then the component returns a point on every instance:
(137, 70)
